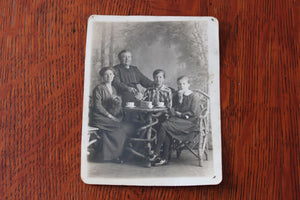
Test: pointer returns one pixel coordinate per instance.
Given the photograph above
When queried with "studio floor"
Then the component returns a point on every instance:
(186, 165)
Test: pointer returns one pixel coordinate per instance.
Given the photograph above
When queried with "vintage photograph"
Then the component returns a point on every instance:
(151, 113)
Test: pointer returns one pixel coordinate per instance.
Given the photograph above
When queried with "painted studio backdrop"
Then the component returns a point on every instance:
(179, 48)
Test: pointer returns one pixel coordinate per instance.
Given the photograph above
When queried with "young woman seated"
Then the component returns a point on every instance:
(183, 121)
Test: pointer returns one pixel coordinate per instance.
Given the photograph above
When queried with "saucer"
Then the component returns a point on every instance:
(149, 107)
(130, 106)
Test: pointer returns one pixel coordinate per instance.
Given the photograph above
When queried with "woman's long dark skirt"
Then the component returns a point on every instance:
(114, 135)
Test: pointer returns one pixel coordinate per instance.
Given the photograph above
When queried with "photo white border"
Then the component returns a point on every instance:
(214, 93)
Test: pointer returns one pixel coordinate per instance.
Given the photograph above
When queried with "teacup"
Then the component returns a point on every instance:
(147, 104)
(160, 104)
(130, 104)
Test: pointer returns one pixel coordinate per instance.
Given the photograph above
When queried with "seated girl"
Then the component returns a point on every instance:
(183, 121)
(159, 92)
(106, 114)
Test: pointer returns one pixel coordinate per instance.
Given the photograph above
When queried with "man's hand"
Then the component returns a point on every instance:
(132, 90)
(139, 96)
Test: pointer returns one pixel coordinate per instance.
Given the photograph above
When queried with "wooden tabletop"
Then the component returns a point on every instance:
(41, 97)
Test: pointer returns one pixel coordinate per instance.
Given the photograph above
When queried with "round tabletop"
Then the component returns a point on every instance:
(142, 109)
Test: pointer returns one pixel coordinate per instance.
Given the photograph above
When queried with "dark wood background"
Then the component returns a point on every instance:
(41, 97)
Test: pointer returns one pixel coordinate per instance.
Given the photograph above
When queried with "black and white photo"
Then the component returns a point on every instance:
(151, 113)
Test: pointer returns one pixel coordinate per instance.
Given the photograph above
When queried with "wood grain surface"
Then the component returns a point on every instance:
(41, 96)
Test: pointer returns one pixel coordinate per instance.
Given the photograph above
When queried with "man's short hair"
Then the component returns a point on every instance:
(157, 71)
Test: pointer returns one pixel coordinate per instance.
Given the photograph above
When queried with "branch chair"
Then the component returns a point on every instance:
(198, 146)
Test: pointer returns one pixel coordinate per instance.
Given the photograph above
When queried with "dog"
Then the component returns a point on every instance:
(115, 107)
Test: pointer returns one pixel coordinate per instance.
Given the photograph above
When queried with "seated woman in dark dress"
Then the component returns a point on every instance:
(183, 121)
(106, 114)
(127, 77)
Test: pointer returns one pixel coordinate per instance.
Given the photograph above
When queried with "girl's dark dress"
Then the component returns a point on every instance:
(183, 129)
(113, 133)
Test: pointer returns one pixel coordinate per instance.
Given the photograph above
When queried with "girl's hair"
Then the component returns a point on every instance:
(104, 69)
(157, 71)
(183, 78)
